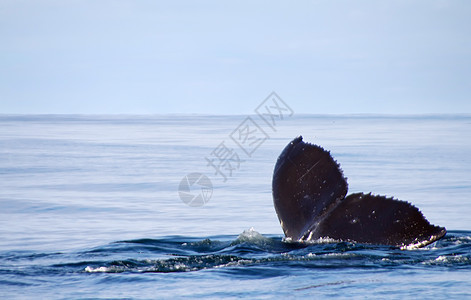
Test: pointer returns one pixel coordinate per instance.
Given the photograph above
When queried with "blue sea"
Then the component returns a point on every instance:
(108, 207)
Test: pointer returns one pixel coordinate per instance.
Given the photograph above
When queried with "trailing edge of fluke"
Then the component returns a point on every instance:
(309, 194)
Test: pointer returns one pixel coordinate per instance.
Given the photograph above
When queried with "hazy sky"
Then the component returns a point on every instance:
(227, 56)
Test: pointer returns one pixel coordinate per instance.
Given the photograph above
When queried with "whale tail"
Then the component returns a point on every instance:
(309, 194)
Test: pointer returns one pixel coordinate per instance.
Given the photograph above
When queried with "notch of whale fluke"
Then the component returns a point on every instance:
(309, 194)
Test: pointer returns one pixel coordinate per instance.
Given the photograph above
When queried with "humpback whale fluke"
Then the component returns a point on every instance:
(309, 194)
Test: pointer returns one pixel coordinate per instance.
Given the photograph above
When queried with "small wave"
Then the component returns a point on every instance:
(253, 248)
(248, 253)
(449, 260)
(252, 236)
(179, 264)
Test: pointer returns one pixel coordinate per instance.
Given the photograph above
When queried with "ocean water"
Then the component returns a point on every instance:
(93, 207)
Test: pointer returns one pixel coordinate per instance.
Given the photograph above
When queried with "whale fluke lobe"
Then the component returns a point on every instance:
(309, 194)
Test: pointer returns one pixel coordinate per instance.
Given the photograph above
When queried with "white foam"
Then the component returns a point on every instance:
(441, 258)
(324, 240)
(97, 270)
(288, 240)
(251, 235)
(238, 263)
(444, 259)
(321, 240)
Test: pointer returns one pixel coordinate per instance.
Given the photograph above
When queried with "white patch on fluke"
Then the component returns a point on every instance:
(420, 244)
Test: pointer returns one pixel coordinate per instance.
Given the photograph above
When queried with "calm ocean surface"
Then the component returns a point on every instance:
(90, 207)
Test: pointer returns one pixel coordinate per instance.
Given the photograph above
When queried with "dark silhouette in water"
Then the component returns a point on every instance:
(309, 192)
